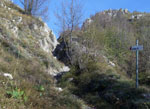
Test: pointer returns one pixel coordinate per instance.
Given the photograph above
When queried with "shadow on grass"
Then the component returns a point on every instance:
(109, 91)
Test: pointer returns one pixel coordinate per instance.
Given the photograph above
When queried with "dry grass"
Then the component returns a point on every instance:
(28, 65)
(28, 75)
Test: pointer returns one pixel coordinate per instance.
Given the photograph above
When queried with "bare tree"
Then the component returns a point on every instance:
(35, 7)
(69, 19)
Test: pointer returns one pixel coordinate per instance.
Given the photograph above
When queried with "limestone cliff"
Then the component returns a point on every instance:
(28, 36)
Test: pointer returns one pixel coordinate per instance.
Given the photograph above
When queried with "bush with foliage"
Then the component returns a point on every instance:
(103, 89)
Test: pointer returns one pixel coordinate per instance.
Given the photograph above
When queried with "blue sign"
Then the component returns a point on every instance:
(134, 48)
(137, 48)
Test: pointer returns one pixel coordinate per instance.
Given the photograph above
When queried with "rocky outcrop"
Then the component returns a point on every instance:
(110, 14)
(49, 42)
(55, 73)
(7, 75)
(36, 28)
(28, 36)
(87, 23)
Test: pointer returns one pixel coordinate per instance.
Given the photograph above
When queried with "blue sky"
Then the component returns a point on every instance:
(93, 6)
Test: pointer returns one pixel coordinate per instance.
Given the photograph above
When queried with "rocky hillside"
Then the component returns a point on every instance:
(27, 36)
(27, 65)
(103, 67)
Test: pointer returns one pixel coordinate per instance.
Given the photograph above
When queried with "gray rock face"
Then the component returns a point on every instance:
(13, 22)
(126, 11)
(138, 16)
(60, 71)
(87, 23)
(49, 42)
(7, 75)
(29, 36)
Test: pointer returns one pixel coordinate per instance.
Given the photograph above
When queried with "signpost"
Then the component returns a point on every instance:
(137, 48)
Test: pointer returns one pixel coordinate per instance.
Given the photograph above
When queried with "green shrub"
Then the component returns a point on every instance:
(17, 94)
(144, 78)
(102, 88)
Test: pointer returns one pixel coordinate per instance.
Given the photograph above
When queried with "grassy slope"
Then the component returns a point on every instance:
(103, 87)
(32, 87)
(99, 83)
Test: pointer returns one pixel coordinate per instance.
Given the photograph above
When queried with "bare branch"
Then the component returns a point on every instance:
(69, 18)
(35, 7)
